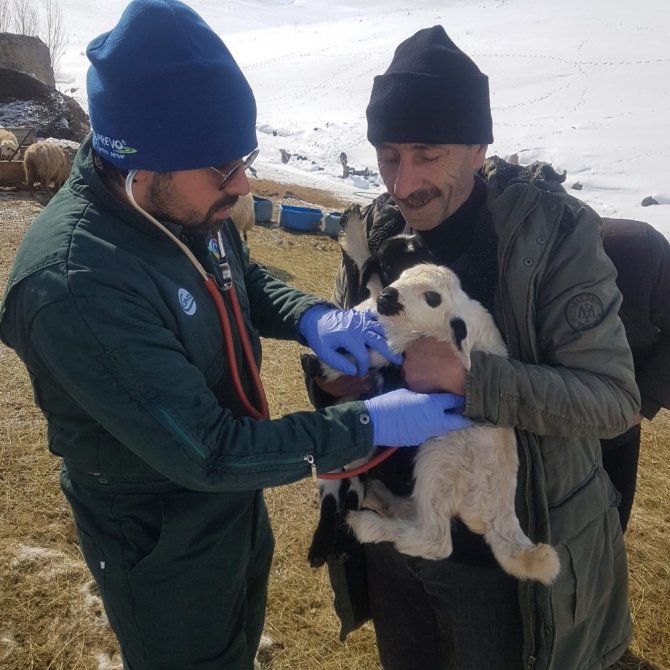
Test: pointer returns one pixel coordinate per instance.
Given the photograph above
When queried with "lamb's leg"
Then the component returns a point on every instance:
(380, 499)
(324, 538)
(440, 483)
(332, 536)
(489, 510)
(519, 557)
(428, 533)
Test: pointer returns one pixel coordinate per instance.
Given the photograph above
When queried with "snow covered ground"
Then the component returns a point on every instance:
(583, 85)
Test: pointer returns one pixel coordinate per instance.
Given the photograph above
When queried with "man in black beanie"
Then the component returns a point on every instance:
(531, 254)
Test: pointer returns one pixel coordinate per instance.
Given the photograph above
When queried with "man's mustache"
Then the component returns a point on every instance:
(419, 198)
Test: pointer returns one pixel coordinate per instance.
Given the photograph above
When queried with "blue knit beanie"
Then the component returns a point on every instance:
(165, 94)
(431, 93)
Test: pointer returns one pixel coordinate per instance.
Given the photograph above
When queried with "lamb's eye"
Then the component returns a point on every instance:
(433, 298)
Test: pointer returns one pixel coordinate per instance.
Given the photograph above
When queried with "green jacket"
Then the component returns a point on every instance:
(132, 384)
(568, 382)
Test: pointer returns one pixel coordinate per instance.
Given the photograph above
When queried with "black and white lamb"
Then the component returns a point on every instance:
(470, 473)
(376, 271)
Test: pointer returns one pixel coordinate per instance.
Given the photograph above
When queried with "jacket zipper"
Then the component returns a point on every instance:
(526, 453)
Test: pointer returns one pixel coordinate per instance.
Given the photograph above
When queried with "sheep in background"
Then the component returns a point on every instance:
(69, 147)
(45, 162)
(243, 214)
(9, 145)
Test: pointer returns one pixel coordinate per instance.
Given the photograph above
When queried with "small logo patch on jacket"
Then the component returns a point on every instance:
(584, 311)
(187, 301)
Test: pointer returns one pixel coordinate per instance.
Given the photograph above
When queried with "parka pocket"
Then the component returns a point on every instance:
(587, 554)
(588, 566)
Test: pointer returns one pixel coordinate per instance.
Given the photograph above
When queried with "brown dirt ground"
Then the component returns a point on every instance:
(50, 615)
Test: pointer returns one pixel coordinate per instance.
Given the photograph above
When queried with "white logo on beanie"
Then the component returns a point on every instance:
(187, 301)
(110, 146)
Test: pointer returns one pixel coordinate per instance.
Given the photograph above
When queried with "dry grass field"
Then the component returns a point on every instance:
(50, 615)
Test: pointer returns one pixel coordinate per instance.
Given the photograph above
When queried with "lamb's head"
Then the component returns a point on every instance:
(428, 301)
(395, 255)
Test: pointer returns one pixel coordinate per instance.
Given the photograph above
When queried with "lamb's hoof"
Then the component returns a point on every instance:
(540, 562)
(316, 557)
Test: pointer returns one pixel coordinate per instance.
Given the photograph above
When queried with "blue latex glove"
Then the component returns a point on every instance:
(403, 418)
(327, 330)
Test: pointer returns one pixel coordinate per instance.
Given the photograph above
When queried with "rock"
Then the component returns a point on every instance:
(28, 102)
(27, 54)
(646, 202)
(577, 186)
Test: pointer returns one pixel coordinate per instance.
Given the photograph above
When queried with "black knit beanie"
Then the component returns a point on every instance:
(432, 93)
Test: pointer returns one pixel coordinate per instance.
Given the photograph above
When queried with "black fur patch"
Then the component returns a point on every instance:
(460, 331)
(387, 303)
(395, 255)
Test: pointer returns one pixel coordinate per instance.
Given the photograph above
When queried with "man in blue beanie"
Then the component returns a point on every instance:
(138, 313)
(531, 254)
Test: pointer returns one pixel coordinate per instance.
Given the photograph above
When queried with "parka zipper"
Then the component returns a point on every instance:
(504, 256)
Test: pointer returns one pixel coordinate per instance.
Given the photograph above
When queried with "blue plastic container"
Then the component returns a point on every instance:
(303, 219)
(331, 224)
(262, 209)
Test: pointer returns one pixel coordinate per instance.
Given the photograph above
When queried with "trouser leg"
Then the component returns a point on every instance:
(197, 598)
(441, 615)
(477, 608)
(257, 591)
(408, 635)
(620, 460)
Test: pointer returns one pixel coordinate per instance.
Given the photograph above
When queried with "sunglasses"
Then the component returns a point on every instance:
(244, 164)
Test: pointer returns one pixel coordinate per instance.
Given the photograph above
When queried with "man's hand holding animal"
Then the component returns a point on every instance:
(432, 366)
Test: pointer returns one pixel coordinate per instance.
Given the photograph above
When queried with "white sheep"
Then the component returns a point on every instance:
(69, 147)
(9, 145)
(243, 215)
(469, 473)
(45, 162)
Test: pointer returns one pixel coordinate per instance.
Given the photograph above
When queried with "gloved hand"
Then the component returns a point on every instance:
(327, 330)
(403, 418)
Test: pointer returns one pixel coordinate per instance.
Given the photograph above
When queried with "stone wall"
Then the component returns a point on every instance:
(26, 54)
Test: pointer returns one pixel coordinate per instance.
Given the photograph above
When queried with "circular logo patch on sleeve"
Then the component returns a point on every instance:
(584, 311)
(187, 301)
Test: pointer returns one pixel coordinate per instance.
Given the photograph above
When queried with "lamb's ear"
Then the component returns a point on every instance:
(371, 274)
(460, 334)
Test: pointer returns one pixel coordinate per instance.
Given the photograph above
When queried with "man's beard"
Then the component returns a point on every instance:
(164, 205)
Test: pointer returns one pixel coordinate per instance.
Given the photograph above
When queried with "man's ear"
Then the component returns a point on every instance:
(479, 156)
(142, 177)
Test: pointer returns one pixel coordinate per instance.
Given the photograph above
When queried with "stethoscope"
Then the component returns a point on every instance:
(215, 291)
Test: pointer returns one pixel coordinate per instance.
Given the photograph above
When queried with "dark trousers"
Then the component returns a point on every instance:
(620, 460)
(442, 615)
(183, 580)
